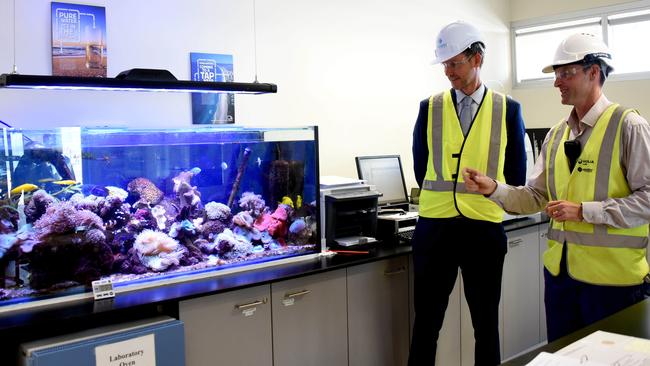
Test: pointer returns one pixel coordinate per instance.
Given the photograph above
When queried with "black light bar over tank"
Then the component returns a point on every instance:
(149, 80)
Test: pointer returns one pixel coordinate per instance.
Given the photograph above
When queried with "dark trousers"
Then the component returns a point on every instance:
(572, 304)
(440, 247)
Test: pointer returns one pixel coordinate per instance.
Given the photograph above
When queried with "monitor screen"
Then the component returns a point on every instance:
(384, 172)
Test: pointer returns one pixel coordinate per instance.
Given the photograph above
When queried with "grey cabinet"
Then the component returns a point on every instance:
(520, 292)
(310, 320)
(543, 230)
(224, 329)
(378, 313)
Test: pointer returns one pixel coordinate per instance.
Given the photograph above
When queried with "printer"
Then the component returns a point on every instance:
(348, 212)
(396, 227)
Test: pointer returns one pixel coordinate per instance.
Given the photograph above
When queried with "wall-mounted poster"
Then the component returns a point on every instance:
(212, 108)
(78, 40)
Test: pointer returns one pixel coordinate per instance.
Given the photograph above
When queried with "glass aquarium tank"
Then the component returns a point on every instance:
(141, 207)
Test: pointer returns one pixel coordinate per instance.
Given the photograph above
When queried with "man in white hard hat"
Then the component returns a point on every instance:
(466, 125)
(592, 179)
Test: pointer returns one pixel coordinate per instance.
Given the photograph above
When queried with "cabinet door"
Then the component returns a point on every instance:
(310, 320)
(543, 231)
(223, 329)
(378, 313)
(521, 292)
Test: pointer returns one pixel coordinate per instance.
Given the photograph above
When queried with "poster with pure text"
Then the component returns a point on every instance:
(210, 108)
(78, 40)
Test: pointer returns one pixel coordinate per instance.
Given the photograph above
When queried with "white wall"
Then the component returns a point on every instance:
(357, 69)
(541, 104)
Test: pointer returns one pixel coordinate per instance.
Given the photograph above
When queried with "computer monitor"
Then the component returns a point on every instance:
(385, 173)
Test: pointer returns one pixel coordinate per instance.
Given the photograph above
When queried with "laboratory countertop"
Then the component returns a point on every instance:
(165, 298)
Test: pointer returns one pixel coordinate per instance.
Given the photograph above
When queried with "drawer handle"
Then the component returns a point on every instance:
(296, 294)
(515, 242)
(399, 270)
(251, 304)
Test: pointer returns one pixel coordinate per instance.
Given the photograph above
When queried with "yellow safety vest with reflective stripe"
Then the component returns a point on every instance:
(443, 191)
(596, 254)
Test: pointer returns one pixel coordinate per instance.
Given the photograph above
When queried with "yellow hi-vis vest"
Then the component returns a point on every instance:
(596, 254)
(443, 190)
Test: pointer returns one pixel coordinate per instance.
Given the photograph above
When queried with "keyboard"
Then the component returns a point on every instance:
(405, 236)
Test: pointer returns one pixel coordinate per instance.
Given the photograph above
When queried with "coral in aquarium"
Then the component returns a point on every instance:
(56, 234)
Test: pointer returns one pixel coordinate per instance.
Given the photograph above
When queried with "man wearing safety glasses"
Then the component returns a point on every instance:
(466, 125)
(592, 179)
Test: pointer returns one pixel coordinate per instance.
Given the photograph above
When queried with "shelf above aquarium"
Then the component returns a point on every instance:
(17, 81)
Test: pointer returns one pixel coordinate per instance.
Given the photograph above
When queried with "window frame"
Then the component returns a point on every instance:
(601, 12)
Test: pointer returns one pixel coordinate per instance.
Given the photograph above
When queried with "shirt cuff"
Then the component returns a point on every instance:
(593, 212)
(499, 194)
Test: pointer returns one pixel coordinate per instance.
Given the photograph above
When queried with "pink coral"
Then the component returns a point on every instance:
(263, 221)
(280, 213)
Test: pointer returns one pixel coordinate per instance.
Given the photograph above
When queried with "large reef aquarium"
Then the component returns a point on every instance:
(146, 207)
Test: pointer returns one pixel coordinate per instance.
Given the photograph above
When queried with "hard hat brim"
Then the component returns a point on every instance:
(550, 68)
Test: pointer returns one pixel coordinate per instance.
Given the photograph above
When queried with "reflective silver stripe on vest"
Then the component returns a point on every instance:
(495, 135)
(598, 240)
(552, 190)
(445, 186)
(605, 155)
(436, 144)
(436, 136)
(605, 162)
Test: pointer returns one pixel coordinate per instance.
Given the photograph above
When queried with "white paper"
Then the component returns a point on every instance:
(139, 351)
(549, 359)
(599, 349)
(335, 181)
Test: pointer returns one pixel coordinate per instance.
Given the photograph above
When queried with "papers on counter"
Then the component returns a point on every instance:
(599, 349)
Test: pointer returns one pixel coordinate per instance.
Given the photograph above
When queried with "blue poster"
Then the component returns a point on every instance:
(212, 108)
(78, 40)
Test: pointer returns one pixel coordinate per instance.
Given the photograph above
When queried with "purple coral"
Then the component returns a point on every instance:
(253, 203)
(38, 204)
(63, 218)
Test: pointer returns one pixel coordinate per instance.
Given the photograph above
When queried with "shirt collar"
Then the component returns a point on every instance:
(477, 96)
(592, 115)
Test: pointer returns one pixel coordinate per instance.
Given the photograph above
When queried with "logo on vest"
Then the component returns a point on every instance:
(585, 165)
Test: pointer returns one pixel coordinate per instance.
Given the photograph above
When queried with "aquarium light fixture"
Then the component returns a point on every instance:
(18, 81)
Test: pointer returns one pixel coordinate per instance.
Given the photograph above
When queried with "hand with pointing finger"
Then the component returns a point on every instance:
(475, 181)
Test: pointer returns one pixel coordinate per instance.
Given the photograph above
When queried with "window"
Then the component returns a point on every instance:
(534, 43)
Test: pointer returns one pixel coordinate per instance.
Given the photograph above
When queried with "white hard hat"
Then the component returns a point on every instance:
(455, 38)
(578, 47)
